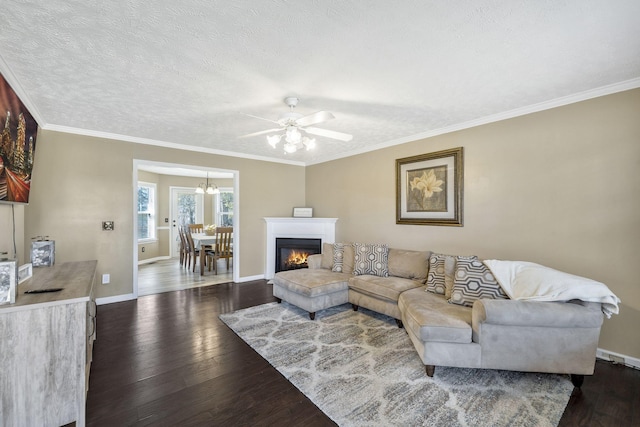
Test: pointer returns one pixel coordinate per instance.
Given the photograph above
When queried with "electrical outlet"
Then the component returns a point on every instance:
(106, 278)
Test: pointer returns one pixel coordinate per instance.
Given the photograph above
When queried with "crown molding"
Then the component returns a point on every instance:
(522, 111)
(164, 144)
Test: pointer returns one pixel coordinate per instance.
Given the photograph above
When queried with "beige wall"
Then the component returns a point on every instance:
(80, 181)
(559, 187)
(7, 214)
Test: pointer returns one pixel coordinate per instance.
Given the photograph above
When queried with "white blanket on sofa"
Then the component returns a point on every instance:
(529, 281)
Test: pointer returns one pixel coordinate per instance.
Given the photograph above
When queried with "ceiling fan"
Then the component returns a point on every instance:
(292, 125)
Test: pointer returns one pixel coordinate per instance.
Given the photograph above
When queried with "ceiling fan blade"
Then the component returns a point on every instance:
(262, 132)
(329, 134)
(261, 118)
(312, 119)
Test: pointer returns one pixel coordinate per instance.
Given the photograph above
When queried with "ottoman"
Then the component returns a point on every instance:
(311, 289)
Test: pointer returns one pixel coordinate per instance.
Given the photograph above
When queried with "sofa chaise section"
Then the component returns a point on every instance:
(311, 289)
(555, 337)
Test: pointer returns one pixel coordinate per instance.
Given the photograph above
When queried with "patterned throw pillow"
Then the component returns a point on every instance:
(338, 257)
(441, 272)
(435, 278)
(473, 281)
(371, 259)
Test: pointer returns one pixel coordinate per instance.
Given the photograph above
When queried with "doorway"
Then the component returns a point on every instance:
(178, 205)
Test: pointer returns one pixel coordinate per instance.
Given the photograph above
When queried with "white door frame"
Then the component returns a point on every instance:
(236, 213)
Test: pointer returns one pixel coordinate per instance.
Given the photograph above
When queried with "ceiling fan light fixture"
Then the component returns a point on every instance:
(310, 143)
(293, 135)
(294, 125)
(273, 140)
(290, 147)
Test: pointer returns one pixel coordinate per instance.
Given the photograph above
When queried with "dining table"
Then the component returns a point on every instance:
(200, 240)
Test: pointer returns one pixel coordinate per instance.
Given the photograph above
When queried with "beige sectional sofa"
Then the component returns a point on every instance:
(322, 286)
(417, 288)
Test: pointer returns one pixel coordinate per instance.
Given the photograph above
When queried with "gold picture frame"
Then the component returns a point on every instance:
(429, 188)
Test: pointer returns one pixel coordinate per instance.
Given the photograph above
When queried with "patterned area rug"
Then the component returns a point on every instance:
(360, 369)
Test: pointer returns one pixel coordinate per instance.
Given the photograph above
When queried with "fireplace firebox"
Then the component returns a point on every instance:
(292, 253)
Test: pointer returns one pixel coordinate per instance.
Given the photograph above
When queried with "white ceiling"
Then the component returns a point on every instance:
(180, 73)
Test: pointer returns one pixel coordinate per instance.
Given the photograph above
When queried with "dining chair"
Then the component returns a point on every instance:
(183, 247)
(193, 253)
(221, 249)
(196, 228)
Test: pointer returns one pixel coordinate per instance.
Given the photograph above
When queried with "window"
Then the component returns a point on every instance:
(224, 208)
(146, 211)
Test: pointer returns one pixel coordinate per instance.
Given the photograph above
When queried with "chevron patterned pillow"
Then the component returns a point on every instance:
(371, 259)
(473, 281)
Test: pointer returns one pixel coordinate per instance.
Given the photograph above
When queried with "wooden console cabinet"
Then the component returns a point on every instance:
(46, 342)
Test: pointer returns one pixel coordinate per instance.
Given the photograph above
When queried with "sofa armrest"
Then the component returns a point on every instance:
(537, 313)
(314, 261)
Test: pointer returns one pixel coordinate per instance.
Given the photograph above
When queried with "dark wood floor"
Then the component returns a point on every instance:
(167, 359)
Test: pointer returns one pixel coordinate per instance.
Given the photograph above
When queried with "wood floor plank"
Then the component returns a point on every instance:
(167, 359)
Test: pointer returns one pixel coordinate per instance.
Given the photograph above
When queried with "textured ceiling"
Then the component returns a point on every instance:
(182, 72)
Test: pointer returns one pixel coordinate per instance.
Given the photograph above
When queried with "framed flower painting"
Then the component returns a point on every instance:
(429, 188)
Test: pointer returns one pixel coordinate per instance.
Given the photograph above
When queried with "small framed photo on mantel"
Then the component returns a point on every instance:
(302, 212)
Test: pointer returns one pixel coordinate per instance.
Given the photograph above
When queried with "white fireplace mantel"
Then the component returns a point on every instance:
(304, 228)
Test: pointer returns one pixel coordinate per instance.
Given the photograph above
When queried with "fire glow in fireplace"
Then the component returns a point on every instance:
(291, 254)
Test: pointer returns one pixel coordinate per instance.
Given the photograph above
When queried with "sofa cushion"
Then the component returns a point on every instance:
(412, 265)
(327, 256)
(310, 282)
(473, 281)
(449, 271)
(343, 258)
(431, 318)
(388, 288)
(371, 258)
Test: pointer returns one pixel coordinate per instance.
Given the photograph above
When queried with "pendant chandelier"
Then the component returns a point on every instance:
(210, 189)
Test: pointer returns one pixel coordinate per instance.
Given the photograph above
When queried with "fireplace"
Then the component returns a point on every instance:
(323, 229)
(292, 253)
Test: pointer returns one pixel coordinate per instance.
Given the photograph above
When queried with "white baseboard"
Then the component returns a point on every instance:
(151, 260)
(250, 278)
(115, 298)
(129, 297)
(612, 356)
